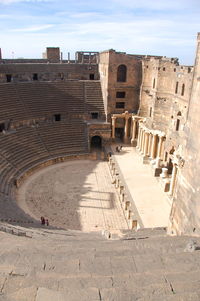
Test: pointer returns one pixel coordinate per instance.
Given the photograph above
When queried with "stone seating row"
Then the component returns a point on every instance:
(27, 146)
(93, 97)
(42, 98)
(39, 99)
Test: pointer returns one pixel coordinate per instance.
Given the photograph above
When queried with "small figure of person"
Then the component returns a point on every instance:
(47, 222)
(120, 148)
(117, 149)
(42, 220)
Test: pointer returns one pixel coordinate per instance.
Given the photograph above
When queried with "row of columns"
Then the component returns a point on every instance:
(150, 142)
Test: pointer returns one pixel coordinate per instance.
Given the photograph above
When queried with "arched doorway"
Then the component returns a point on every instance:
(96, 142)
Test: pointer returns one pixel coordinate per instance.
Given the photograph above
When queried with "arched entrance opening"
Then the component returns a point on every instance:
(96, 142)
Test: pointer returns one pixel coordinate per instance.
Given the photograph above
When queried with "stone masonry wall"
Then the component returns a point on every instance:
(164, 99)
(185, 215)
(47, 72)
(131, 87)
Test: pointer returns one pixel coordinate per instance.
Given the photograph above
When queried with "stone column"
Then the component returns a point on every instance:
(143, 140)
(150, 144)
(113, 126)
(126, 128)
(146, 143)
(161, 138)
(154, 146)
(173, 180)
(133, 130)
(139, 138)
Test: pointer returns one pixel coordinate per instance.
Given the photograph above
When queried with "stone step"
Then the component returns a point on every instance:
(92, 288)
(191, 296)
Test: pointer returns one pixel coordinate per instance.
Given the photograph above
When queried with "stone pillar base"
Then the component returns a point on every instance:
(166, 185)
(164, 173)
(157, 171)
(134, 142)
(145, 159)
(126, 140)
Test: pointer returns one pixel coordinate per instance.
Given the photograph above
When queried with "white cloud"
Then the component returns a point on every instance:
(158, 4)
(86, 15)
(145, 26)
(33, 28)
(8, 2)
(4, 16)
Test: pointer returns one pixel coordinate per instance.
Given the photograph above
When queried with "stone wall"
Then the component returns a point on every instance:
(185, 214)
(164, 99)
(102, 130)
(47, 72)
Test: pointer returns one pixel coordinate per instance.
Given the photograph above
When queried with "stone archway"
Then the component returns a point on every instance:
(96, 142)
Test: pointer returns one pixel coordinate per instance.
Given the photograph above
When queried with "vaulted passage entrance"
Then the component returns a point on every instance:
(96, 142)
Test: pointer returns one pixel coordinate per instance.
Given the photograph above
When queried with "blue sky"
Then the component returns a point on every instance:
(159, 27)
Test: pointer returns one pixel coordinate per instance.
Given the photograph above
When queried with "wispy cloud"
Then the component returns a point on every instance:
(4, 16)
(145, 26)
(33, 28)
(158, 5)
(86, 15)
(8, 2)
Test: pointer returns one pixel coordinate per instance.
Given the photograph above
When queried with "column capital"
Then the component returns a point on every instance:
(161, 136)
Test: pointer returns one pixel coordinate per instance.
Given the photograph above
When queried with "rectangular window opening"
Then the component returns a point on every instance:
(150, 112)
(177, 124)
(176, 89)
(183, 90)
(9, 78)
(154, 83)
(120, 94)
(91, 76)
(94, 115)
(2, 127)
(57, 117)
(120, 105)
(35, 76)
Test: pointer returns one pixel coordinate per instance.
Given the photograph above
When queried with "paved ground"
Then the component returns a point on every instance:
(74, 195)
(151, 202)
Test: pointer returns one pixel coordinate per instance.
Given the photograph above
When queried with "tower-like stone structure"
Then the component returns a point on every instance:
(185, 213)
(53, 54)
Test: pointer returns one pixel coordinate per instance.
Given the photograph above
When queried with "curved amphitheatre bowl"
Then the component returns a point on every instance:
(73, 192)
(34, 145)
